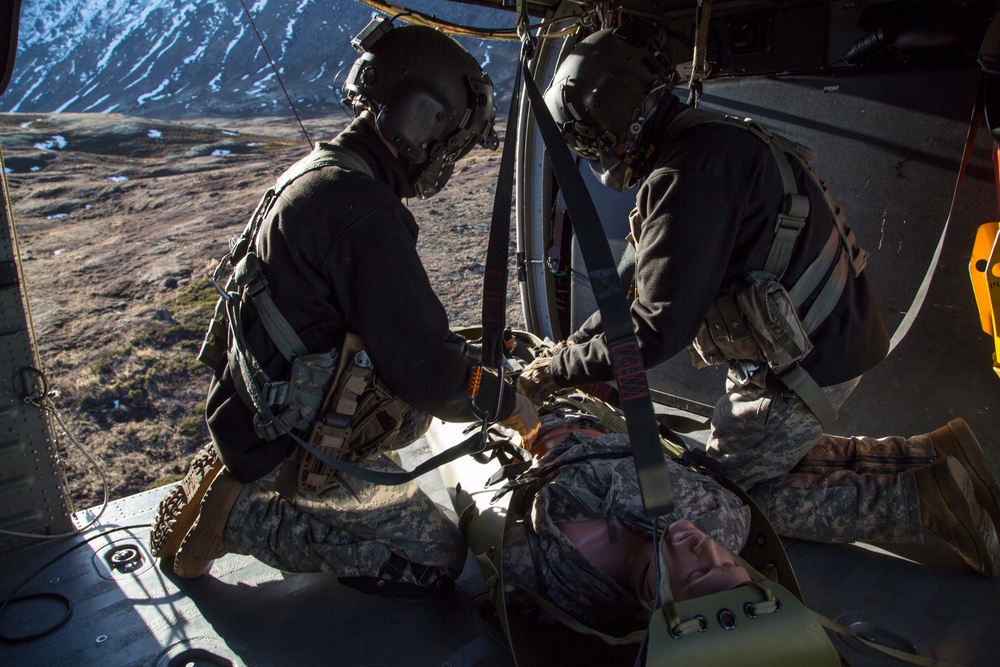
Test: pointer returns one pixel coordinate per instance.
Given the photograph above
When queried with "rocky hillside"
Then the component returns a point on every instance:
(119, 222)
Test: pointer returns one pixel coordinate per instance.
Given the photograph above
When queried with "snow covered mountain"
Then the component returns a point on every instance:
(185, 58)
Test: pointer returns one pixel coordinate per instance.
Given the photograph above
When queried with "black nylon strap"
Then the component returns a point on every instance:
(497, 253)
(630, 374)
(470, 445)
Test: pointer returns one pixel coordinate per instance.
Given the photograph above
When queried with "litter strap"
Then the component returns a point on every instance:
(629, 370)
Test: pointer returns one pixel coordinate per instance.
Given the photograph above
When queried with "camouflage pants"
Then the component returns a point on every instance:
(349, 529)
(815, 486)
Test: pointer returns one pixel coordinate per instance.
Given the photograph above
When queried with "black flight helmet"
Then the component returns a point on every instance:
(604, 94)
(430, 98)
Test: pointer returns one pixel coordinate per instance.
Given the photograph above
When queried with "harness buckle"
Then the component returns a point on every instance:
(275, 393)
(789, 220)
(265, 430)
(743, 371)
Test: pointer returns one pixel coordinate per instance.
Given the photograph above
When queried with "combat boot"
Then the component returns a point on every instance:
(179, 508)
(957, 439)
(949, 509)
(205, 542)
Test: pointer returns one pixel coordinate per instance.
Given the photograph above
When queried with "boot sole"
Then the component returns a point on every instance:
(179, 509)
(954, 488)
(205, 541)
(960, 442)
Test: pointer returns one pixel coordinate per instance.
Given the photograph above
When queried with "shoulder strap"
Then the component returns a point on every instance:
(246, 282)
(847, 254)
(323, 155)
(247, 271)
(795, 207)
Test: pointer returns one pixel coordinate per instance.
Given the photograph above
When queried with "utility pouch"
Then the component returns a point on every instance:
(308, 382)
(384, 422)
(216, 342)
(756, 625)
(757, 323)
(359, 420)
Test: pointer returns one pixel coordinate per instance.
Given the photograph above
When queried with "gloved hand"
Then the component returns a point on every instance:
(524, 420)
(535, 380)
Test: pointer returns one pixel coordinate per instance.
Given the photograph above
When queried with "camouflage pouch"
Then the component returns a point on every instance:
(308, 382)
(360, 419)
(757, 323)
(383, 422)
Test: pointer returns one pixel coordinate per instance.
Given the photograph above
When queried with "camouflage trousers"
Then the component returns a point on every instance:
(812, 485)
(352, 529)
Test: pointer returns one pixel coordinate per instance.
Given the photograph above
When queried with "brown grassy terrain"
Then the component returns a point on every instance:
(119, 222)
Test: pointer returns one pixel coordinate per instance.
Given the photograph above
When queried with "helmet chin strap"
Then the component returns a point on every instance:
(368, 116)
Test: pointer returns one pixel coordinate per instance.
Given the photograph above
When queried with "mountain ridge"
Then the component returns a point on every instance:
(175, 59)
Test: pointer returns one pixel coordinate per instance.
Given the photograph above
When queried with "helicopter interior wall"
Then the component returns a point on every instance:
(891, 153)
(31, 494)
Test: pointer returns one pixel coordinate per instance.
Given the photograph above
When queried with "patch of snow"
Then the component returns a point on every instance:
(220, 151)
(57, 142)
(97, 102)
(154, 134)
(116, 179)
(56, 216)
(142, 98)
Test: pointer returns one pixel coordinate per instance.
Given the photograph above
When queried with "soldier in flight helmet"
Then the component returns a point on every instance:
(326, 277)
(430, 99)
(604, 95)
(729, 223)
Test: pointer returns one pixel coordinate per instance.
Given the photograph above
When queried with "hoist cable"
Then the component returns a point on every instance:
(277, 76)
(500, 34)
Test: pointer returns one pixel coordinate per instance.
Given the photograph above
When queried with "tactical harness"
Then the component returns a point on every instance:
(757, 323)
(336, 398)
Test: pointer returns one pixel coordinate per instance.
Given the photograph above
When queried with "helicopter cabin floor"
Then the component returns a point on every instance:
(102, 599)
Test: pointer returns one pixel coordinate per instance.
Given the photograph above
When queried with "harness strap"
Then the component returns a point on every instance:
(809, 280)
(799, 381)
(790, 221)
(250, 277)
(630, 374)
(795, 207)
(246, 283)
(827, 297)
